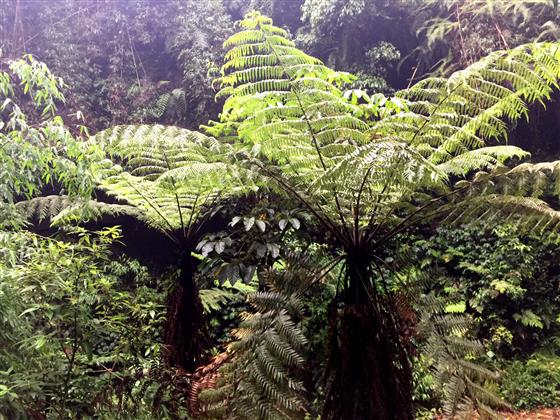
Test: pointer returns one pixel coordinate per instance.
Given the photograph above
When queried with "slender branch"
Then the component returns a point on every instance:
(133, 56)
(503, 39)
(413, 75)
(463, 50)
(58, 22)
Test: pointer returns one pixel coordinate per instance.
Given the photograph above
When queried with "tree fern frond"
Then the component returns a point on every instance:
(57, 209)
(521, 195)
(463, 112)
(453, 354)
(483, 158)
(260, 379)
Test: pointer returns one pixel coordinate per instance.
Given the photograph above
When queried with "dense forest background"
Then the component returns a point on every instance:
(115, 304)
(139, 61)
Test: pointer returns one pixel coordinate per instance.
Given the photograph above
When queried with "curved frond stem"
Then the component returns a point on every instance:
(172, 179)
(395, 273)
(207, 217)
(321, 218)
(370, 236)
(438, 105)
(383, 280)
(314, 139)
(409, 220)
(149, 202)
(325, 271)
(191, 216)
(388, 181)
(357, 212)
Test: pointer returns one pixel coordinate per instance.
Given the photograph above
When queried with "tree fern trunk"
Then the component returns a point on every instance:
(368, 372)
(186, 334)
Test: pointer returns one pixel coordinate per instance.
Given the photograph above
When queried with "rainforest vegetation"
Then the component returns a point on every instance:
(279, 209)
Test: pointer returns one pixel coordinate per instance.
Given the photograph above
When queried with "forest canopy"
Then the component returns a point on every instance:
(273, 209)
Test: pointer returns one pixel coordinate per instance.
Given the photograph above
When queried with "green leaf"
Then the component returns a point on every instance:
(29, 310)
(219, 247)
(529, 319)
(261, 225)
(248, 222)
(295, 223)
(456, 308)
(40, 342)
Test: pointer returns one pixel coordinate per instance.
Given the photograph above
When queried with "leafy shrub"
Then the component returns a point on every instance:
(508, 281)
(76, 328)
(533, 383)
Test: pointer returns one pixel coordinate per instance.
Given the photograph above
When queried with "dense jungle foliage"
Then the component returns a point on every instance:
(279, 209)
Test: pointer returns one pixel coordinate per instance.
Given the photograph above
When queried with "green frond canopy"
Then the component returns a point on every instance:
(169, 173)
(362, 158)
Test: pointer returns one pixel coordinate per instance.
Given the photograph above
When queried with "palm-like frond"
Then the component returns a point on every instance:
(521, 195)
(452, 116)
(278, 95)
(452, 353)
(54, 209)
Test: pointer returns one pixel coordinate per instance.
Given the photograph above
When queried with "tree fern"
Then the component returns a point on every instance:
(174, 178)
(367, 169)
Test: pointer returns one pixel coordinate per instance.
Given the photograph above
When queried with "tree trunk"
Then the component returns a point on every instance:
(368, 372)
(186, 334)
